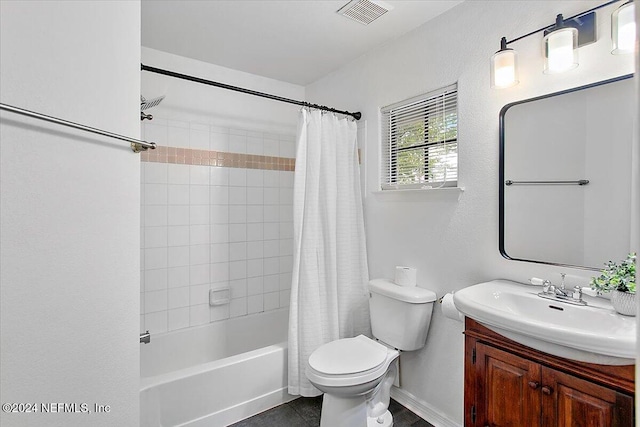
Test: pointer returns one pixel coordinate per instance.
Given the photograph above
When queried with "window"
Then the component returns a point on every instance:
(420, 141)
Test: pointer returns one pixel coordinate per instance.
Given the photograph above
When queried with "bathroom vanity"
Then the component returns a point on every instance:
(509, 384)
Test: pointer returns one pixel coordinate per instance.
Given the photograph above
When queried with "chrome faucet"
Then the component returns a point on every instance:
(550, 291)
(145, 338)
(561, 291)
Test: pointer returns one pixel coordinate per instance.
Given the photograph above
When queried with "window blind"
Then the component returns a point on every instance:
(420, 141)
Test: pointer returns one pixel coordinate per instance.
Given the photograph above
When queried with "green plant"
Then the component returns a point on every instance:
(619, 277)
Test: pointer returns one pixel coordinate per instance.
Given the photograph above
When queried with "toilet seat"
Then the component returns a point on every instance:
(349, 361)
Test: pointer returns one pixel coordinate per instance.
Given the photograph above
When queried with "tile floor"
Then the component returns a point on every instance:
(305, 412)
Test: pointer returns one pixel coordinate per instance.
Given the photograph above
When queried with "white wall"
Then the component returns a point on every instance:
(453, 241)
(189, 101)
(69, 211)
(635, 202)
(211, 227)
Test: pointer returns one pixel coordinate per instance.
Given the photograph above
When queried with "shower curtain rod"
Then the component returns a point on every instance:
(357, 115)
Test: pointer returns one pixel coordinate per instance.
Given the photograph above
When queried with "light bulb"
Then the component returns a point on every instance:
(561, 53)
(623, 29)
(504, 67)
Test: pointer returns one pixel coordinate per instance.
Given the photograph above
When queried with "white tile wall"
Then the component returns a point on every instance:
(178, 318)
(205, 227)
(219, 139)
(255, 304)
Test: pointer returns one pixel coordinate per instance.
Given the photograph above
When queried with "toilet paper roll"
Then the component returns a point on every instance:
(449, 309)
(405, 276)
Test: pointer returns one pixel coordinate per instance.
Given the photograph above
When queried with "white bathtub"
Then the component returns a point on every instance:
(216, 374)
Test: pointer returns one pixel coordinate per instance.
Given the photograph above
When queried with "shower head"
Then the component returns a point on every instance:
(146, 104)
(149, 103)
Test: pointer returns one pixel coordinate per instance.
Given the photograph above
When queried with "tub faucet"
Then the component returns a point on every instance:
(145, 338)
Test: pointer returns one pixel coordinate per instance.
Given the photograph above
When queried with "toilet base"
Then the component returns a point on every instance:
(350, 412)
(386, 420)
(343, 411)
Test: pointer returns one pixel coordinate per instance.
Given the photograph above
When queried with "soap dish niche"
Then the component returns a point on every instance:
(219, 296)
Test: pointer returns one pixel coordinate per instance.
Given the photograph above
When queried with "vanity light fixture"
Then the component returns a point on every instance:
(504, 67)
(623, 29)
(560, 48)
(562, 40)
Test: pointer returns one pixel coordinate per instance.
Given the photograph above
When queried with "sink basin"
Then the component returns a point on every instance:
(594, 333)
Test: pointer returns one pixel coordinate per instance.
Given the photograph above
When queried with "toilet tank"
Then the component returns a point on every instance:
(400, 315)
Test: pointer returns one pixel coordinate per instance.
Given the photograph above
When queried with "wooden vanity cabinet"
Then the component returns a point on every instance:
(508, 384)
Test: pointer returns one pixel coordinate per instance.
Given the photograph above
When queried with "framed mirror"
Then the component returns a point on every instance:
(565, 175)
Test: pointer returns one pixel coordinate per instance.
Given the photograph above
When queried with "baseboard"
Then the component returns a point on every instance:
(423, 409)
(243, 410)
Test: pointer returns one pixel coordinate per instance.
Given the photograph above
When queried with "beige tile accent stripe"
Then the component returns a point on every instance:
(188, 156)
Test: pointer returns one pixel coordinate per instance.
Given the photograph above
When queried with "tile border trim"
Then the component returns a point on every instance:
(190, 156)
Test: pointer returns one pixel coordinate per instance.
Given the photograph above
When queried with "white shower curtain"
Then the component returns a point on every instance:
(329, 297)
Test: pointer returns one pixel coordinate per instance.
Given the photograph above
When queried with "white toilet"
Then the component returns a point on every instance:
(356, 374)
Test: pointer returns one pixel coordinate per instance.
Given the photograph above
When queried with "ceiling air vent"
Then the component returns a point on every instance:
(364, 11)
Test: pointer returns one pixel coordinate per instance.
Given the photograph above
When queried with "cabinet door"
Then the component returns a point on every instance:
(568, 401)
(508, 389)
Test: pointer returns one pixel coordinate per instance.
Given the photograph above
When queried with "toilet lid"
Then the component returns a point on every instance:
(348, 356)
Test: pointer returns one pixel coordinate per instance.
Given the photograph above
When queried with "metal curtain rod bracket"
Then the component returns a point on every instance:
(136, 144)
(578, 182)
(357, 115)
(566, 19)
